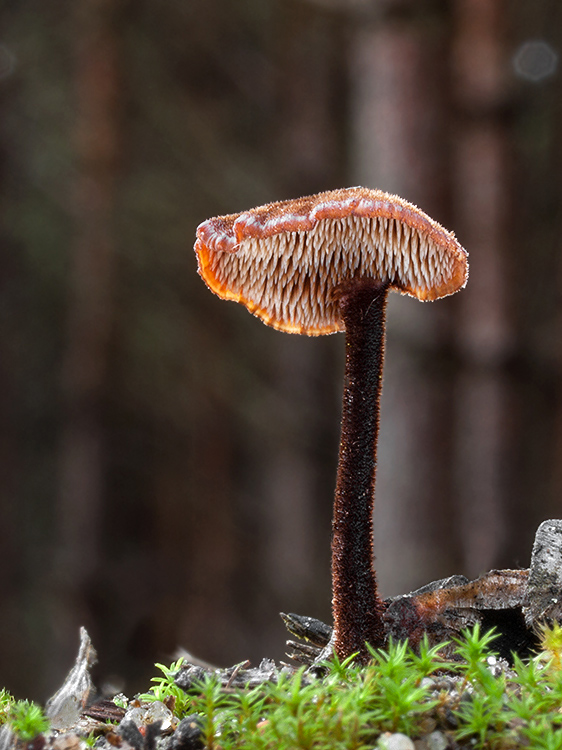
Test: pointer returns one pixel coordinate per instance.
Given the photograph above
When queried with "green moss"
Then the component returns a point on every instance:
(471, 697)
(27, 720)
(398, 691)
(165, 690)
(6, 702)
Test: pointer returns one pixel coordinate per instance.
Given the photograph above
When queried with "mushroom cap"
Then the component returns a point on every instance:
(287, 261)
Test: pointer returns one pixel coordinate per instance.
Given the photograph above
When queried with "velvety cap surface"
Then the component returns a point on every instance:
(286, 261)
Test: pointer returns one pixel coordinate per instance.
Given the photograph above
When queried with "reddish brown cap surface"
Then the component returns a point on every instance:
(286, 261)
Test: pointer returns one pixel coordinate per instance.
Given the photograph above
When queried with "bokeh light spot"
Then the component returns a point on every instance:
(535, 60)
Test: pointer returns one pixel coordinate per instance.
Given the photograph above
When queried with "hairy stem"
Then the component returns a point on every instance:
(357, 607)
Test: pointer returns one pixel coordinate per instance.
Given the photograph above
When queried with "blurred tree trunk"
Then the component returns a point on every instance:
(400, 100)
(308, 51)
(255, 501)
(549, 171)
(534, 476)
(12, 579)
(485, 331)
(83, 458)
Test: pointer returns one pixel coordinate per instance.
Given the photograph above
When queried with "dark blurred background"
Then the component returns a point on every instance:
(167, 462)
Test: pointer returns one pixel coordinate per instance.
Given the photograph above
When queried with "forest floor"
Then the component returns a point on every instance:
(487, 673)
(401, 700)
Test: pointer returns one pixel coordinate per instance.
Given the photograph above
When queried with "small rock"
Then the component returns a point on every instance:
(450, 719)
(427, 725)
(155, 712)
(188, 735)
(145, 738)
(191, 674)
(68, 741)
(436, 741)
(395, 741)
(130, 732)
(158, 711)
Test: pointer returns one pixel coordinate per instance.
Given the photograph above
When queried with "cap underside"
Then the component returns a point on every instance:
(290, 279)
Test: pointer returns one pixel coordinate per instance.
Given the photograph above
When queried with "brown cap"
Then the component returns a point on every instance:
(286, 261)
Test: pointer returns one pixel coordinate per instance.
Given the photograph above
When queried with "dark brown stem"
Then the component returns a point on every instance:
(357, 607)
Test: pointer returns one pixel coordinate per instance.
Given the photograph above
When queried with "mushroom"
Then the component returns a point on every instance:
(321, 264)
